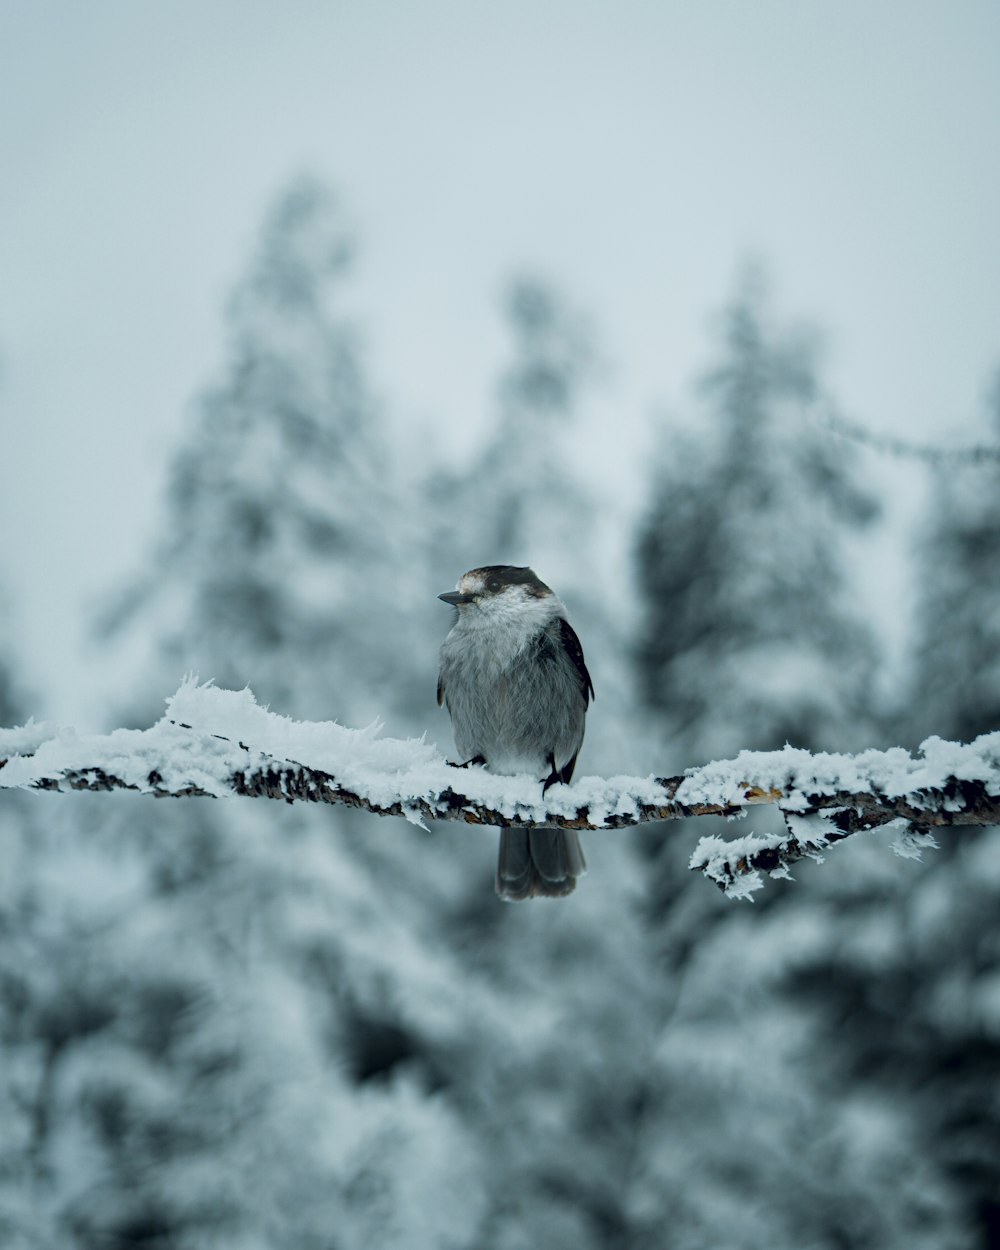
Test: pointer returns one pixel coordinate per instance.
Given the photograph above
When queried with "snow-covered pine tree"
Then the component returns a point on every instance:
(270, 1065)
(528, 498)
(652, 1091)
(521, 501)
(23, 1046)
(529, 494)
(955, 681)
(748, 637)
(909, 983)
(282, 559)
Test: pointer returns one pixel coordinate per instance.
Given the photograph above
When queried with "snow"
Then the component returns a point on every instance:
(714, 856)
(911, 843)
(207, 734)
(25, 739)
(797, 773)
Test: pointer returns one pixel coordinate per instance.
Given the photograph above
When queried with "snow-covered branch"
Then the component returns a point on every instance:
(220, 743)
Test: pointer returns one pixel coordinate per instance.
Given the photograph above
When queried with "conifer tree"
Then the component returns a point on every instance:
(748, 638)
(271, 1065)
(528, 498)
(955, 687)
(520, 501)
(281, 562)
(528, 495)
(917, 1022)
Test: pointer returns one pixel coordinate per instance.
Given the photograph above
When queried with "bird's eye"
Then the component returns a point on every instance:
(493, 586)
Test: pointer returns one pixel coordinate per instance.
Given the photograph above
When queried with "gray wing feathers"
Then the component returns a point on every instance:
(571, 645)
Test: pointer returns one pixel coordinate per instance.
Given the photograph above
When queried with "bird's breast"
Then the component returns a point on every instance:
(513, 705)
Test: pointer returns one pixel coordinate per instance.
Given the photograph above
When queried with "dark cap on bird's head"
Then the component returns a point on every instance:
(494, 579)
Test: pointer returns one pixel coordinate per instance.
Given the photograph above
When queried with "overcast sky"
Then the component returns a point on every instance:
(635, 152)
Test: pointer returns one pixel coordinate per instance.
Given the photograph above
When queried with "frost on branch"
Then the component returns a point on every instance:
(825, 798)
(221, 743)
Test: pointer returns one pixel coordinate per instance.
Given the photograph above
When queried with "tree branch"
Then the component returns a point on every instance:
(903, 448)
(217, 743)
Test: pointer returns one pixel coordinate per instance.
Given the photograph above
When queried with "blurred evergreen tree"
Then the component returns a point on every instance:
(660, 1090)
(910, 984)
(13, 703)
(955, 691)
(748, 637)
(906, 984)
(266, 1062)
(22, 1067)
(282, 565)
(528, 497)
(288, 1027)
(521, 500)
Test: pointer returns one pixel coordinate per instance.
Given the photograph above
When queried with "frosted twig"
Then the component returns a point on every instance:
(219, 743)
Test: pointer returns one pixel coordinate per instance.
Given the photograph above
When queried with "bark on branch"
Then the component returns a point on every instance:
(823, 798)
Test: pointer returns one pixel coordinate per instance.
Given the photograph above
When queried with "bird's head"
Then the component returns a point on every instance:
(501, 592)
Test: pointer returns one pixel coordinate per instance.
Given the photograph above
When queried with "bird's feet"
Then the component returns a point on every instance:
(476, 759)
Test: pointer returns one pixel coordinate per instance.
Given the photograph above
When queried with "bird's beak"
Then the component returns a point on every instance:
(454, 597)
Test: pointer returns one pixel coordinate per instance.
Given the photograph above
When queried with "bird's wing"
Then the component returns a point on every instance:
(440, 688)
(571, 645)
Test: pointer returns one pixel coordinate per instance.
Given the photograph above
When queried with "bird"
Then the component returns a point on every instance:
(514, 680)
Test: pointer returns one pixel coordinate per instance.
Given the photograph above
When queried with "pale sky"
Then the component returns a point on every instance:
(635, 152)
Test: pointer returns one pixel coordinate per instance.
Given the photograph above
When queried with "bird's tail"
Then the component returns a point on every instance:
(538, 863)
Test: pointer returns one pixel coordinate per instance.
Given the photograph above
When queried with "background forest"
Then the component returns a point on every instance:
(241, 1024)
(252, 423)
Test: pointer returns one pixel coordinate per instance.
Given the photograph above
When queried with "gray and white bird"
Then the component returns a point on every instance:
(517, 689)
